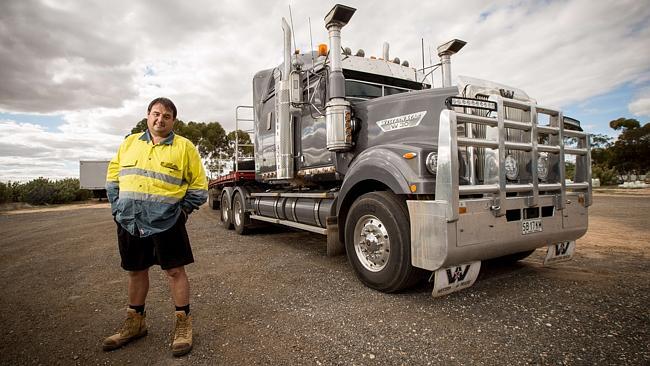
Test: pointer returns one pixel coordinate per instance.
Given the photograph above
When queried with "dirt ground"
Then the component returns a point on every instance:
(275, 298)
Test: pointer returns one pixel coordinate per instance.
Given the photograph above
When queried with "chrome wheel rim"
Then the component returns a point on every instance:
(224, 210)
(371, 243)
(238, 212)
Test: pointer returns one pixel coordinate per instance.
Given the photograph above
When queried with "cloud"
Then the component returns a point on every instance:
(98, 63)
(640, 106)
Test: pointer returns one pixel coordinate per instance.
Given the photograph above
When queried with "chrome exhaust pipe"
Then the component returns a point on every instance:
(444, 52)
(337, 110)
(283, 121)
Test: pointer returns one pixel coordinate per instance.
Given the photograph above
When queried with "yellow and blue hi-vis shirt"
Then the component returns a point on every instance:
(148, 185)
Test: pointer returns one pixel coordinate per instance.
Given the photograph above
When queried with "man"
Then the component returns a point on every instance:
(153, 183)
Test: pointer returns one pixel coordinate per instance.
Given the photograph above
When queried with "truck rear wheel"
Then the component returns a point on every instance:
(239, 215)
(212, 202)
(378, 242)
(226, 213)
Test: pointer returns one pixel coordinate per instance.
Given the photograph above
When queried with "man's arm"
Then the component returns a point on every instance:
(113, 181)
(197, 190)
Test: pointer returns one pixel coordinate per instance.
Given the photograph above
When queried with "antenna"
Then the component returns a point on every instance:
(431, 63)
(423, 55)
(293, 35)
(311, 43)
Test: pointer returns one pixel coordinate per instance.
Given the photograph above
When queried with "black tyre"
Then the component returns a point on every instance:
(212, 202)
(226, 212)
(378, 242)
(240, 217)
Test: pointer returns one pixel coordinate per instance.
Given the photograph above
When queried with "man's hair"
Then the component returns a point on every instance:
(166, 102)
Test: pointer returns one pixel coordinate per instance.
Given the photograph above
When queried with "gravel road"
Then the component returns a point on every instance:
(275, 298)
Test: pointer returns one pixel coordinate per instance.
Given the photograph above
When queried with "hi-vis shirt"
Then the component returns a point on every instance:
(148, 185)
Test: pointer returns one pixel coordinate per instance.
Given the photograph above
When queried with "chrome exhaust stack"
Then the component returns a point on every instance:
(337, 110)
(384, 51)
(444, 52)
(284, 120)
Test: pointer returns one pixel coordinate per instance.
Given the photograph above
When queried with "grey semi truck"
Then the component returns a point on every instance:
(407, 179)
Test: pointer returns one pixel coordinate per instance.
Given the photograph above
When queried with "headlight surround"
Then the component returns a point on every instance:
(432, 162)
(512, 169)
(542, 167)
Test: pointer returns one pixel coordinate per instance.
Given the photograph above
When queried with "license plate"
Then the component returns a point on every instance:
(531, 226)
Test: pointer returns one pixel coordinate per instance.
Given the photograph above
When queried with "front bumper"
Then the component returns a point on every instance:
(479, 234)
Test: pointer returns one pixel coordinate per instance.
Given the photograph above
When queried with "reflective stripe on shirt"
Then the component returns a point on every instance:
(148, 197)
(151, 174)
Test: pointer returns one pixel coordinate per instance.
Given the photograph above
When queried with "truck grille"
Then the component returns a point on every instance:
(479, 131)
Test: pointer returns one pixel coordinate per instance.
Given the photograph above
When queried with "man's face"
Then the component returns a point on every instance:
(160, 121)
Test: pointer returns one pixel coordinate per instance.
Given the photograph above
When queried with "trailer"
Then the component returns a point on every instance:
(92, 176)
(408, 180)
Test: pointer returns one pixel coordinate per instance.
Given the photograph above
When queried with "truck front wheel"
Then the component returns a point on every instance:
(378, 242)
(226, 212)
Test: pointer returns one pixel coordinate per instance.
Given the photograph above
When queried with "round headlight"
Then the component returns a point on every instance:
(491, 166)
(542, 167)
(432, 162)
(512, 170)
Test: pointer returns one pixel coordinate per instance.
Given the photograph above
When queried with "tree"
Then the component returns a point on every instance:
(244, 139)
(630, 152)
(624, 124)
(213, 145)
(600, 149)
(140, 126)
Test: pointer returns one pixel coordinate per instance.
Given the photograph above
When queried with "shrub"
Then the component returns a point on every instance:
(5, 192)
(42, 191)
(607, 176)
(65, 190)
(38, 191)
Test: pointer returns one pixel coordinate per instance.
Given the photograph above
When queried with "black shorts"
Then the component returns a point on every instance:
(169, 249)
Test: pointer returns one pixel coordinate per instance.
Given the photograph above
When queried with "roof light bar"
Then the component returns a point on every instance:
(470, 103)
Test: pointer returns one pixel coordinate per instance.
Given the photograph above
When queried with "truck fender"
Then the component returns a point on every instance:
(383, 164)
(246, 193)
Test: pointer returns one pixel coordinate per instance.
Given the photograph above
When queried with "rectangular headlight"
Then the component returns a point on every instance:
(470, 103)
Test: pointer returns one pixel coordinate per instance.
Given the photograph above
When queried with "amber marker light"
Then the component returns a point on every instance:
(409, 155)
(322, 49)
(462, 210)
(413, 188)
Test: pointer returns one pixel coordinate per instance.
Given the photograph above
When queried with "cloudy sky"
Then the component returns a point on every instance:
(75, 76)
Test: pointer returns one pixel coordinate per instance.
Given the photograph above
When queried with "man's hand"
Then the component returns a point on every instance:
(185, 213)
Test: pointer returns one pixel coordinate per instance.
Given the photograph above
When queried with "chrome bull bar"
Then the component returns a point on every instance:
(447, 180)
(442, 237)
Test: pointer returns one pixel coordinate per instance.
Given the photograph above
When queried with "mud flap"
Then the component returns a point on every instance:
(334, 246)
(560, 252)
(452, 279)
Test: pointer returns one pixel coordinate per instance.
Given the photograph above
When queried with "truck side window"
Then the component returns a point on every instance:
(315, 94)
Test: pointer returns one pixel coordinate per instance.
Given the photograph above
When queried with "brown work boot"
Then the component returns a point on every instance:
(182, 334)
(134, 327)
